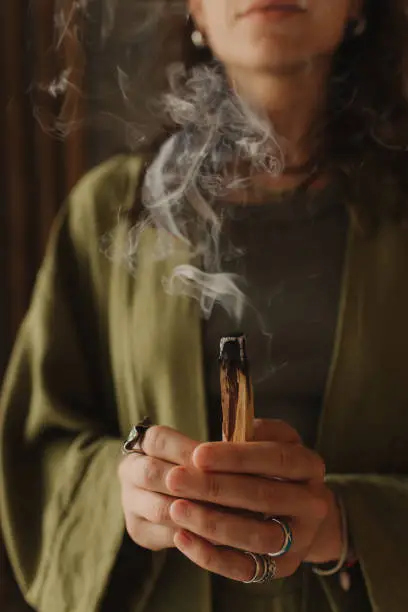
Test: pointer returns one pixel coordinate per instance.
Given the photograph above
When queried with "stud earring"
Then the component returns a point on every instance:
(355, 28)
(198, 39)
(360, 27)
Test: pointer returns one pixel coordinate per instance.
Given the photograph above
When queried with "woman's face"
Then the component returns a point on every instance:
(273, 35)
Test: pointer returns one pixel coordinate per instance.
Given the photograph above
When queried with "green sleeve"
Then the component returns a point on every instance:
(377, 511)
(59, 437)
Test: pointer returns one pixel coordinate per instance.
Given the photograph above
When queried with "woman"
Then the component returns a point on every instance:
(276, 204)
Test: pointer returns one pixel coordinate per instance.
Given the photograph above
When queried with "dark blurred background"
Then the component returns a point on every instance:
(37, 169)
(36, 172)
(51, 134)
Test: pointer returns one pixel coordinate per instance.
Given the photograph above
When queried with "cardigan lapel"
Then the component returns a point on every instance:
(365, 409)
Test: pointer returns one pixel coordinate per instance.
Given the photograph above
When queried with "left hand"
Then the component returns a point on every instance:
(244, 477)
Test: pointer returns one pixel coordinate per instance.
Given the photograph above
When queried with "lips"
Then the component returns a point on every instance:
(272, 5)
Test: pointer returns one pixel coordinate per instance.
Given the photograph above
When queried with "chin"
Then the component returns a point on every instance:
(270, 59)
(268, 52)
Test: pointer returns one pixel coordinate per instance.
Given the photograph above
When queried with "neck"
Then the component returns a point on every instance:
(293, 100)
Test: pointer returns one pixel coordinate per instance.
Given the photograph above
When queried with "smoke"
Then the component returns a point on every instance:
(220, 143)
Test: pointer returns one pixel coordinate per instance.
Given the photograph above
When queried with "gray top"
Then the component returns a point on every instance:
(292, 259)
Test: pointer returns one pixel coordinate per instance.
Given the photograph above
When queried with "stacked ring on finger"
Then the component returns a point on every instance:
(287, 535)
(266, 569)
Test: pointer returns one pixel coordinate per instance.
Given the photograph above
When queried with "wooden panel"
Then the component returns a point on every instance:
(37, 170)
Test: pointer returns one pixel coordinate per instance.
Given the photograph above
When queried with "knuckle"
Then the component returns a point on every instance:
(127, 468)
(211, 527)
(150, 473)
(160, 513)
(214, 487)
(155, 440)
(284, 457)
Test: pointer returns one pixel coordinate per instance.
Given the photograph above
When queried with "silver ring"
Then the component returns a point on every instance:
(271, 570)
(287, 535)
(134, 441)
(257, 559)
(266, 569)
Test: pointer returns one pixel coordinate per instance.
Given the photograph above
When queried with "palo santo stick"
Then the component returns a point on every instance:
(236, 390)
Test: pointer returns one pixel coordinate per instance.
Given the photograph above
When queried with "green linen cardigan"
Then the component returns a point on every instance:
(100, 348)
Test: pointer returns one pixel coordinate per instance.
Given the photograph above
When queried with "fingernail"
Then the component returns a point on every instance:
(176, 480)
(180, 509)
(202, 457)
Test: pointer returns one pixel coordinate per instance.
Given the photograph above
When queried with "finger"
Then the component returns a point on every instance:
(234, 530)
(275, 430)
(147, 535)
(231, 564)
(270, 497)
(271, 459)
(144, 472)
(168, 444)
(153, 507)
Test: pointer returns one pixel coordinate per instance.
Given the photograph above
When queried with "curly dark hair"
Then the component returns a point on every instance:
(367, 133)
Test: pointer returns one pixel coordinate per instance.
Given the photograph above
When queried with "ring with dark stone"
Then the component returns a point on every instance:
(134, 441)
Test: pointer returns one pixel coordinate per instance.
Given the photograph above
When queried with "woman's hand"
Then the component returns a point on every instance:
(244, 477)
(221, 476)
(146, 499)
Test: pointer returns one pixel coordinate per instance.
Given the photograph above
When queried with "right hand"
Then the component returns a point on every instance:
(145, 497)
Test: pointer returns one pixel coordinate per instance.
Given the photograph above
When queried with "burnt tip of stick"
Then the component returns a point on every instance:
(233, 350)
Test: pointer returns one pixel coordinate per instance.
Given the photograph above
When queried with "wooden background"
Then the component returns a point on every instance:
(36, 170)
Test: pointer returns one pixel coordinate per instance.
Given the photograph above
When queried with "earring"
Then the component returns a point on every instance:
(198, 39)
(360, 27)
